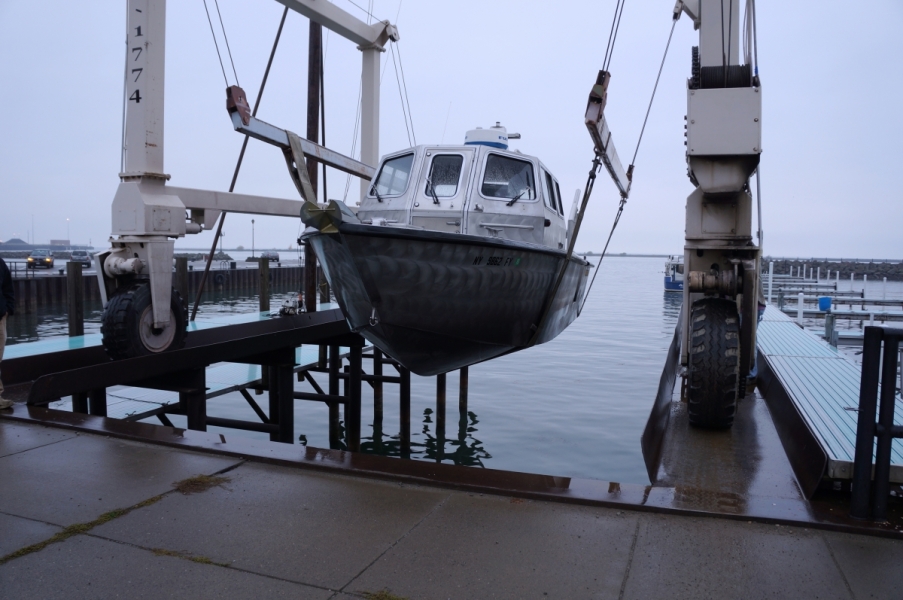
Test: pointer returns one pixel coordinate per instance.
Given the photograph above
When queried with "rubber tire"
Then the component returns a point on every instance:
(714, 363)
(120, 322)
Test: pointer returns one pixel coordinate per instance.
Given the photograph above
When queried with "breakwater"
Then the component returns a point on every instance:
(876, 270)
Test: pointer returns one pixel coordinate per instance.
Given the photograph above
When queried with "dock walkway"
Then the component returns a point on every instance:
(813, 393)
(87, 516)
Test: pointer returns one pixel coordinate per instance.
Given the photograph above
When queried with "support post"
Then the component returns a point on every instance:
(885, 427)
(97, 402)
(334, 366)
(462, 390)
(369, 109)
(440, 406)
(263, 271)
(865, 425)
(770, 279)
(405, 411)
(75, 300)
(354, 398)
(282, 402)
(193, 400)
(180, 281)
(799, 309)
(377, 386)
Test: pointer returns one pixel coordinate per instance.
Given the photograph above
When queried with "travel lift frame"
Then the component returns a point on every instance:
(724, 143)
(148, 215)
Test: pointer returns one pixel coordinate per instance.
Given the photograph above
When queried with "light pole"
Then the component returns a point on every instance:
(252, 238)
(68, 239)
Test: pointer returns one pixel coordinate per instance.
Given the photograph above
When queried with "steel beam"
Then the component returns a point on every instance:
(334, 18)
(263, 131)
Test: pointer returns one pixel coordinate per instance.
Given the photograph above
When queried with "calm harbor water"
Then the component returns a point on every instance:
(575, 406)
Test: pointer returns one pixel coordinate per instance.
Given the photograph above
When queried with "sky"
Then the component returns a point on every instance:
(832, 126)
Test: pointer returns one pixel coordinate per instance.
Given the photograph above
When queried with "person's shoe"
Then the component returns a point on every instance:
(4, 403)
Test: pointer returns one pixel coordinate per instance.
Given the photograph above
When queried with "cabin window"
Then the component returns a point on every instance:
(508, 178)
(680, 269)
(547, 189)
(445, 172)
(558, 196)
(393, 177)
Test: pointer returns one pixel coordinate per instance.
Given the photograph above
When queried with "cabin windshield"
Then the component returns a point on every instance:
(508, 178)
(445, 171)
(394, 175)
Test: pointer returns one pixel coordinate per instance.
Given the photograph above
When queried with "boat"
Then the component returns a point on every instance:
(674, 274)
(457, 254)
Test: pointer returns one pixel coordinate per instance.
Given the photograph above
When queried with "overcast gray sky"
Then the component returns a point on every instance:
(832, 127)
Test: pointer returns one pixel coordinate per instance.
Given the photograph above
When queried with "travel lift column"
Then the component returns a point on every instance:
(724, 133)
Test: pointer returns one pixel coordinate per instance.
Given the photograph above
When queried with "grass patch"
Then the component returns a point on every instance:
(199, 483)
(184, 555)
(76, 529)
(382, 595)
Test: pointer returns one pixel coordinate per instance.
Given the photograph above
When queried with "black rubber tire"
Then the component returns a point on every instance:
(714, 363)
(121, 321)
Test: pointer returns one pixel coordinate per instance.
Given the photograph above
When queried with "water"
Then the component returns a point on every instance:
(575, 406)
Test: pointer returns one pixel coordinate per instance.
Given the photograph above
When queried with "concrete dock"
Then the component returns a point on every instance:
(118, 525)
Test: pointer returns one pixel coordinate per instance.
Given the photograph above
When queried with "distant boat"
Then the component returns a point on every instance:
(674, 274)
(456, 255)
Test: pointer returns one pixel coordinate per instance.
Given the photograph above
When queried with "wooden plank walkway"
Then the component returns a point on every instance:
(823, 388)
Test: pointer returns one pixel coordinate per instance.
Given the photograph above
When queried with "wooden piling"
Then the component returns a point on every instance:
(75, 298)
(334, 367)
(263, 271)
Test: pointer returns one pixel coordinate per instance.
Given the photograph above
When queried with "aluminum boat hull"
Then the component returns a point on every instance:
(436, 302)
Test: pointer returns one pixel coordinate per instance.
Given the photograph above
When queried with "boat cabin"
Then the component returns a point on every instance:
(480, 188)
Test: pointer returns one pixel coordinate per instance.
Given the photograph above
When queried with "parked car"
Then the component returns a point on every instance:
(40, 258)
(270, 256)
(81, 256)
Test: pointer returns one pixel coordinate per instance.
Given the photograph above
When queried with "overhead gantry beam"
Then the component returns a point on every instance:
(370, 40)
(349, 27)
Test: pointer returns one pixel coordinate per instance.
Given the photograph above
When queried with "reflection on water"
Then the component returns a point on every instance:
(464, 450)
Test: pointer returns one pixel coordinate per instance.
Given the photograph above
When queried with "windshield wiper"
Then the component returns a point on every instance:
(374, 191)
(518, 197)
(432, 190)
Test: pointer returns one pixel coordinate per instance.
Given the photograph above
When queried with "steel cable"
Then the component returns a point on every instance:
(241, 156)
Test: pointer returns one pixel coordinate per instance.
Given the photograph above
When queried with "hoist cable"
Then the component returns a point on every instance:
(614, 39)
(225, 37)
(216, 44)
(404, 111)
(611, 33)
(623, 201)
(605, 249)
(654, 88)
(241, 156)
(405, 84)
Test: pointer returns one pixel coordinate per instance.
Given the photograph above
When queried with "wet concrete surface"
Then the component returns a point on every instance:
(16, 532)
(284, 523)
(471, 543)
(724, 470)
(78, 478)
(89, 567)
(276, 531)
(19, 438)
